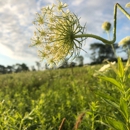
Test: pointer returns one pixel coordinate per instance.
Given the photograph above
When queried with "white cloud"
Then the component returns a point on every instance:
(5, 51)
(16, 28)
(77, 2)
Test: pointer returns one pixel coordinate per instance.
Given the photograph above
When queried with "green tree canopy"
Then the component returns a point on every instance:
(102, 51)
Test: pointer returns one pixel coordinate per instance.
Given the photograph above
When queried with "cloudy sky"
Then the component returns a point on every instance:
(16, 28)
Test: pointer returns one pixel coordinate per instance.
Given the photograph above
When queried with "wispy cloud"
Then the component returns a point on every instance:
(16, 28)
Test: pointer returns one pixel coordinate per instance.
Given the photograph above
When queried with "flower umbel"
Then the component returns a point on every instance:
(55, 33)
(125, 41)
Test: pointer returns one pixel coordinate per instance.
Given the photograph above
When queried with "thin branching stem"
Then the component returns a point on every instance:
(114, 29)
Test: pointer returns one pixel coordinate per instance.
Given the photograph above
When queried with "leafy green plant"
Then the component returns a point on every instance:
(120, 118)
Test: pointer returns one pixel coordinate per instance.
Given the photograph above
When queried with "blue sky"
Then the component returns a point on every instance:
(16, 28)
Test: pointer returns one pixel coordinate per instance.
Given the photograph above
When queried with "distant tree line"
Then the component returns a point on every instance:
(101, 52)
(79, 61)
(23, 67)
(13, 69)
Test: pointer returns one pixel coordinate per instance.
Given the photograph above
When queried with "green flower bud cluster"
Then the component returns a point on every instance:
(106, 26)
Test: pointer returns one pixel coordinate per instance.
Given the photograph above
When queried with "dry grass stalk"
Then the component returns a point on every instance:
(63, 120)
(80, 118)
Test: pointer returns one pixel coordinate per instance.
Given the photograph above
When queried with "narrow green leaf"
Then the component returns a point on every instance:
(116, 124)
(129, 76)
(113, 104)
(128, 94)
(111, 80)
(120, 67)
(107, 97)
(124, 108)
(127, 65)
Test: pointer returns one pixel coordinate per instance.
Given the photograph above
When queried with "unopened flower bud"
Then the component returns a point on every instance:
(106, 26)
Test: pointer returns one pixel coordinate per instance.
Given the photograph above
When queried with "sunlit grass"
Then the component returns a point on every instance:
(41, 100)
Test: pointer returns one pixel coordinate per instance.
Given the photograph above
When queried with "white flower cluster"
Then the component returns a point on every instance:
(125, 41)
(105, 67)
(56, 28)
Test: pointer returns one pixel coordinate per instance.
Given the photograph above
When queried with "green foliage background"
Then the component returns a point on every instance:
(40, 100)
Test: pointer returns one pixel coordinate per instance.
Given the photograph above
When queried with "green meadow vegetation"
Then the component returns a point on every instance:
(81, 98)
(40, 100)
(62, 100)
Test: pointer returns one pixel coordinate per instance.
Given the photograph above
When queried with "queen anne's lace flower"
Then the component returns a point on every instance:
(55, 33)
(125, 41)
(127, 5)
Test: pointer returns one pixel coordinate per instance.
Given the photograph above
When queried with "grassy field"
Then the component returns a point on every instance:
(62, 99)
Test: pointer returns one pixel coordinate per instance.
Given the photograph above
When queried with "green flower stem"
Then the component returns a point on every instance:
(128, 52)
(123, 11)
(114, 29)
(96, 37)
(112, 45)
